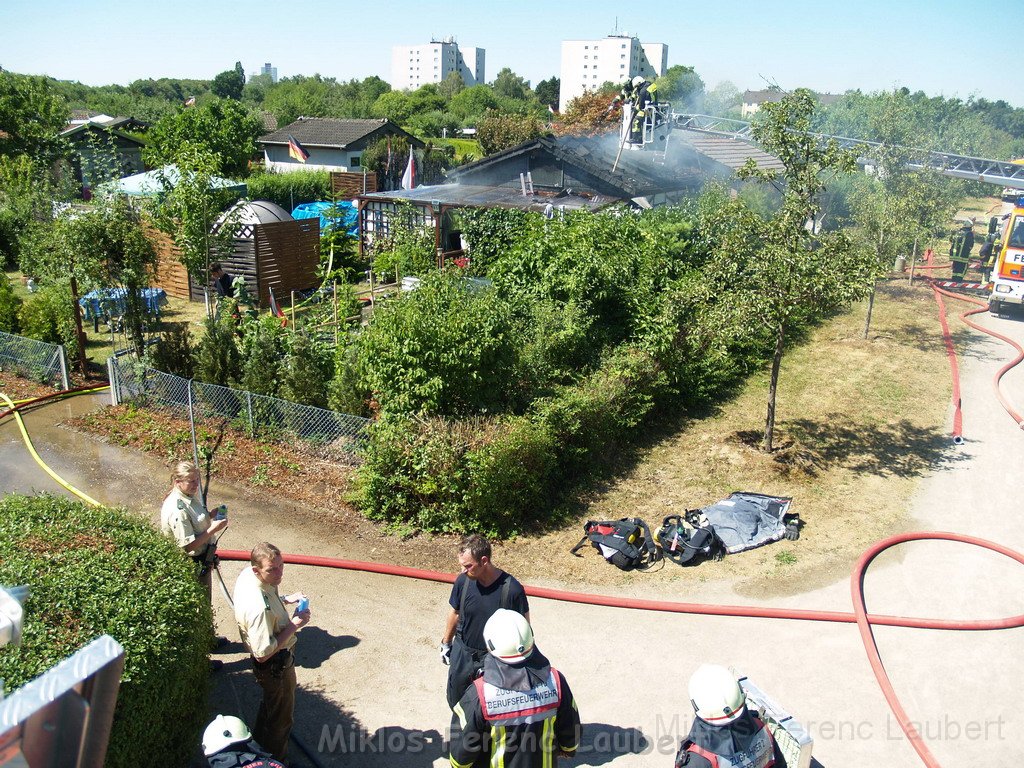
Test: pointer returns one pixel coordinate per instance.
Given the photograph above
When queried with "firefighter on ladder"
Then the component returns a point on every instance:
(644, 93)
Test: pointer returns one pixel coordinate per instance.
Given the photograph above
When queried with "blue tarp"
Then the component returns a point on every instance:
(344, 214)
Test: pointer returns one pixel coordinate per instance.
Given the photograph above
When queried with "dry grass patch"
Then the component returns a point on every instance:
(858, 423)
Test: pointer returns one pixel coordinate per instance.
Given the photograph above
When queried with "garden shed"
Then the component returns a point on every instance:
(269, 248)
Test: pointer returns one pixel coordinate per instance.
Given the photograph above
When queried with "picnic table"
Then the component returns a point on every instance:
(108, 303)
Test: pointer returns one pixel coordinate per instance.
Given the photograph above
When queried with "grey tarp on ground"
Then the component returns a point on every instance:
(747, 520)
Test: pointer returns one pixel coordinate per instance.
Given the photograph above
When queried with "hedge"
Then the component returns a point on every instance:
(290, 189)
(94, 571)
(497, 475)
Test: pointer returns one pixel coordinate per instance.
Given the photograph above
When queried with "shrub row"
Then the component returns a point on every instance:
(290, 189)
(94, 571)
(498, 474)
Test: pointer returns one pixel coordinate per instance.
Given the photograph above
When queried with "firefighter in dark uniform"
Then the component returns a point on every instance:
(480, 590)
(521, 713)
(725, 733)
(960, 249)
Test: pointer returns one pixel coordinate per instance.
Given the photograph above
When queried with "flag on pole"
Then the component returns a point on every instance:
(296, 150)
(276, 310)
(552, 110)
(409, 177)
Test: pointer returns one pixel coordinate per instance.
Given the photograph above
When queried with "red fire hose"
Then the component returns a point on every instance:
(859, 616)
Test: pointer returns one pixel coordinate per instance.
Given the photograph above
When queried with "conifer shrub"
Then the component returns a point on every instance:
(94, 571)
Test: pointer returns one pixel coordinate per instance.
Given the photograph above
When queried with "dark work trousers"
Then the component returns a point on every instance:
(463, 669)
(274, 720)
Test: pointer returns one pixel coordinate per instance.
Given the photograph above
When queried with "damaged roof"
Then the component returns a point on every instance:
(470, 196)
(683, 163)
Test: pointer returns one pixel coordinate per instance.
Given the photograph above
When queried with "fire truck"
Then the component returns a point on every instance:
(1008, 272)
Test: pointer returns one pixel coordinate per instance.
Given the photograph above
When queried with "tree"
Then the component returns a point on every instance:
(471, 104)
(897, 206)
(723, 100)
(509, 85)
(548, 91)
(188, 208)
(396, 106)
(497, 131)
(229, 84)
(682, 86)
(777, 272)
(110, 247)
(223, 127)
(32, 114)
(451, 86)
(589, 114)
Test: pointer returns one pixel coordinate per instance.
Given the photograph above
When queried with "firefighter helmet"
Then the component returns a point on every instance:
(222, 732)
(638, 81)
(508, 636)
(715, 695)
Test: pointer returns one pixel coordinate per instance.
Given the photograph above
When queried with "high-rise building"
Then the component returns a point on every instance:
(266, 69)
(416, 65)
(589, 64)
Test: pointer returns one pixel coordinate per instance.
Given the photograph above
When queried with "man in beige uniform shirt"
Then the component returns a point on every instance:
(269, 633)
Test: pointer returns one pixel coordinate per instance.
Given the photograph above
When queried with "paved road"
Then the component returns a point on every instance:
(371, 683)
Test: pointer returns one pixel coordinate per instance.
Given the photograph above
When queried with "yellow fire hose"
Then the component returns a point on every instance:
(32, 450)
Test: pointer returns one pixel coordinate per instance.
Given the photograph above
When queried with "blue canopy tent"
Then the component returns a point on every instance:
(342, 214)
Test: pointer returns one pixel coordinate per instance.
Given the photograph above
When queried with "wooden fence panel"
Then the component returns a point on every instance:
(287, 254)
(345, 185)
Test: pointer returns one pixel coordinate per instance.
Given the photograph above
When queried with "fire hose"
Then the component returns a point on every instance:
(859, 616)
(982, 306)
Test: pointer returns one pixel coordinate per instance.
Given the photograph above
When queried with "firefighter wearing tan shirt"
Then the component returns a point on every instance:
(269, 633)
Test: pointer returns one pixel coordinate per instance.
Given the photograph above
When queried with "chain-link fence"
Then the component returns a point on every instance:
(334, 434)
(34, 359)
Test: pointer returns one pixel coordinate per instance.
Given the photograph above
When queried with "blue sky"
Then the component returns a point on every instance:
(939, 47)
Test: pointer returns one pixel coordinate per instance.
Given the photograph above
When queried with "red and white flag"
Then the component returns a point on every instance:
(276, 310)
(409, 177)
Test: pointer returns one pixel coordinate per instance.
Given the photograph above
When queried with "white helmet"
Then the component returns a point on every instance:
(508, 636)
(638, 81)
(223, 731)
(715, 695)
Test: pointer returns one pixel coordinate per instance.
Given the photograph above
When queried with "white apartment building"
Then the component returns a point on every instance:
(416, 65)
(588, 64)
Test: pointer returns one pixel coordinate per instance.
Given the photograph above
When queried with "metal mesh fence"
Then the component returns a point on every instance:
(34, 359)
(334, 434)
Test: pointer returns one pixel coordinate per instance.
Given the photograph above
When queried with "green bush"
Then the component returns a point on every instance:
(174, 352)
(264, 345)
(307, 371)
(217, 359)
(441, 349)
(48, 316)
(290, 189)
(94, 571)
(500, 474)
(10, 303)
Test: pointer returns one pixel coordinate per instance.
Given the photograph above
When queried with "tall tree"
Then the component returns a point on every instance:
(794, 274)
(548, 91)
(224, 127)
(896, 206)
(189, 208)
(229, 84)
(32, 113)
(682, 86)
(511, 86)
(498, 131)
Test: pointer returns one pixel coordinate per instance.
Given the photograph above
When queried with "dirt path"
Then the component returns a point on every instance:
(371, 683)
